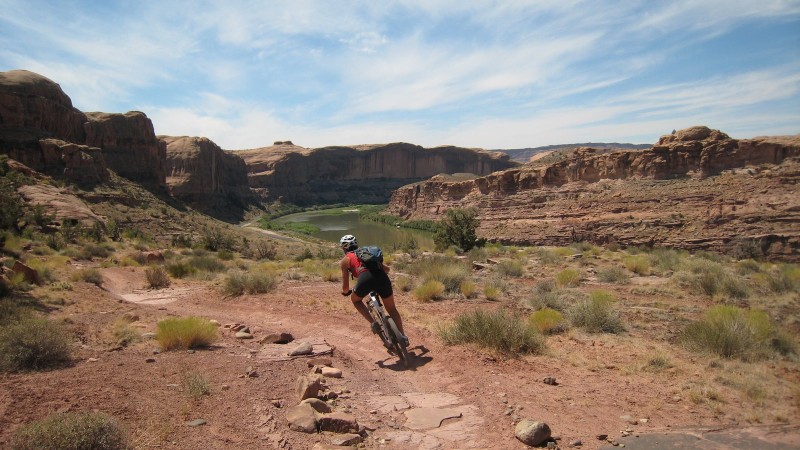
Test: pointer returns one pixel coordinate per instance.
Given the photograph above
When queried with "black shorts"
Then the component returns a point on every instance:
(373, 281)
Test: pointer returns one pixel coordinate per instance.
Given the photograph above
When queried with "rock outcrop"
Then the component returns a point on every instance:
(129, 144)
(210, 179)
(40, 128)
(697, 188)
(361, 174)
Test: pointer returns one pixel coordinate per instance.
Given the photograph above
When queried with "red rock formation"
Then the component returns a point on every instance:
(205, 176)
(365, 173)
(33, 102)
(705, 193)
(129, 144)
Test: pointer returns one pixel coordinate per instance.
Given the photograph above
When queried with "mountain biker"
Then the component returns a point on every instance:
(367, 281)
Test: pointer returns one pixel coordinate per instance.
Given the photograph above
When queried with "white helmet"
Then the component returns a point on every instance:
(347, 241)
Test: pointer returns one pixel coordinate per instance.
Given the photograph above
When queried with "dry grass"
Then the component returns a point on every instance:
(32, 343)
(195, 384)
(429, 291)
(157, 277)
(185, 333)
(497, 330)
(568, 278)
(67, 431)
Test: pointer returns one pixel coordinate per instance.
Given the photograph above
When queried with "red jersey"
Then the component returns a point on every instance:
(355, 267)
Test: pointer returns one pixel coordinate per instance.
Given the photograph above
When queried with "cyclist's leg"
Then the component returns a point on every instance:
(388, 302)
(360, 291)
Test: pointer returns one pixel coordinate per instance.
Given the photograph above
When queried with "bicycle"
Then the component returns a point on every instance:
(388, 330)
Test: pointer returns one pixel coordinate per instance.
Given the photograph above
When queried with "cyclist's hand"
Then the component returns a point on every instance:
(345, 294)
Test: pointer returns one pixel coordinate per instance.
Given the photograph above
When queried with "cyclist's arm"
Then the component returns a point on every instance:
(345, 265)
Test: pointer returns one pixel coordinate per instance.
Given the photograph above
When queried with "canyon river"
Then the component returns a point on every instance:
(334, 223)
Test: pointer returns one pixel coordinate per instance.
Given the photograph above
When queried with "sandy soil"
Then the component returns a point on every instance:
(599, 377)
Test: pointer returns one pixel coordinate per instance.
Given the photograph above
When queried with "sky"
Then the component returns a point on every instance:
(489, 74)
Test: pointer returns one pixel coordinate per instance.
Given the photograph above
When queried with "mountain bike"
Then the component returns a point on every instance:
(388, 331)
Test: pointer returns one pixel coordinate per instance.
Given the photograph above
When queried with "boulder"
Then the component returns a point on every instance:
(277, 338)
(318, 405)
(338, 422)
(307, 387)
(304, 348)
(331, 372)
(28, 274)
(532, 433)
(302, 418)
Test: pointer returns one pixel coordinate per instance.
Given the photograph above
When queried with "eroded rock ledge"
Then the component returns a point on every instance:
(695, 189)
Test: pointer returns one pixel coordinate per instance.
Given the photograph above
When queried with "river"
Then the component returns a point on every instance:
(335, 223)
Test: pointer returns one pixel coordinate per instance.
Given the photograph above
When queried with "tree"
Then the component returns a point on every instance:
(457, 228)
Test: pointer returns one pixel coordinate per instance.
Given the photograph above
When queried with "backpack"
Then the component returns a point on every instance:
(371, 257)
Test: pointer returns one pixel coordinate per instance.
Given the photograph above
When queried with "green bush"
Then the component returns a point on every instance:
(510, 268)
(494, 330)
(206, 263)
(548, 257)
(468, 288)
(613, 274)
(238, 283)
(666, 258)
(215, 239)
(71, 431)
(448, 271)
(638, 264)
(548, 321)
(124, 334)
(732, 332)
(181, 269)
(568, 277)
(185, 333)
(546, 295)
(157, 277)
(595, 315)
(457, 228)
(32, 343)
(89, 276)
(429, 290)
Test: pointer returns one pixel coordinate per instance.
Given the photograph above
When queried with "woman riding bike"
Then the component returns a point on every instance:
(367, 281)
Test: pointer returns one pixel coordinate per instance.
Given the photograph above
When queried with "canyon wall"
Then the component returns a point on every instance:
(695, 189)
(357, 174)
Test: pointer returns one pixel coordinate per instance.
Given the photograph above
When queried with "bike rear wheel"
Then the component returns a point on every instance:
(397, 343)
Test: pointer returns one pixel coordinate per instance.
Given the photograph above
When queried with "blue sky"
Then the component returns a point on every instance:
(490, 74)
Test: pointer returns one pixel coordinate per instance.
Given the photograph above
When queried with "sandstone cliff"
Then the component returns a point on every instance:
(357, 174)
(207, 177)
(40, 128)
(697, 188)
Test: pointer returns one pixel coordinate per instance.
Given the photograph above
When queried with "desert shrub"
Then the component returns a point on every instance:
(429, 290)
(32, 343)
(195, 384)
(448, 271)
(747, 248)
(548, 257)
(783, 278)
(548, 321)
(468, 288)
(657, 363)
(265, 250)
(71, 431)
(157, 277)
(181, 269)
(613, 274)
(638, 264)
(124, 334)
(181, 333)
(304, 255)
(478, 254)
(403, 283)
(497, 330)
(732, 332)
(238, 283)
(457, 228)
(510, 268)
(665, 258)
(215, 239)
(207, 263)
(225, 255)
(89, 251)
(89, 276)
(568, 277)
(595, 315)
(747, 266)
(182, 241)
(491, 292)
(546, 295)
(332, 275)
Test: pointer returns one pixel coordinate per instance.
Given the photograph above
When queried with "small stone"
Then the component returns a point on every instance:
(148, 335)
(196, 422)
(320, 362)
(305, 348)
(191, 352)
(276, 338)
(602, 437)
(576, 443)
(156, 352)
(532, 433)
(276, 403)
(318, 405)
(307, 387)
(331, 372)
(338, 422)
(348, 439)
(245, 329)
(552, 445)
(243, 335)
(676, 398)
(93, 360)
(550, 380)
(225, 387)
(643, 421)
(214, 322)
(302, 418)
(150, 360)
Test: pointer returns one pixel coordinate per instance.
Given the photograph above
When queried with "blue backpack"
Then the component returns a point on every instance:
(371, 257)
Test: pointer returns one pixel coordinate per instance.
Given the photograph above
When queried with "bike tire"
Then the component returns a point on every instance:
(397, 344)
